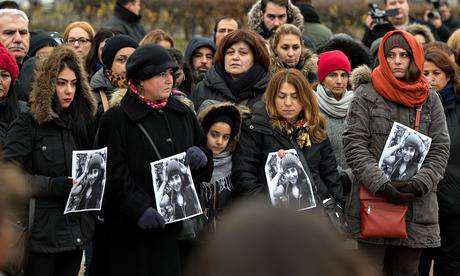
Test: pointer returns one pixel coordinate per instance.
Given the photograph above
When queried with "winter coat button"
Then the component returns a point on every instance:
(251, 127)
(78, 240)
(43, 148)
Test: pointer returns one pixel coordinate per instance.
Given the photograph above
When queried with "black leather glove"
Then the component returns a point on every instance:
(151, 219)
(195, 158)
(413, 188)
(61, 185)
(399, 184)
(395, 196)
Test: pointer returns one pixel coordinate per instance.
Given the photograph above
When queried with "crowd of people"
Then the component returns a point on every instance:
(282, 81)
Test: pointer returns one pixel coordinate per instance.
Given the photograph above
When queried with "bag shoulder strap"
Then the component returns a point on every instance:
(105, 102)
(418, 112)
(155, 149)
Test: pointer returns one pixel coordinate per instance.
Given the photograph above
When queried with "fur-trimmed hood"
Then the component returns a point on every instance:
(211, 105)
(310, 65)
(360, 75)
(416, 28)
(294, 16)
(44, 86)
(356, 52)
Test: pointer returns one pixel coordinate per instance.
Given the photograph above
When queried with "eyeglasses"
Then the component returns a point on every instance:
(81, 40)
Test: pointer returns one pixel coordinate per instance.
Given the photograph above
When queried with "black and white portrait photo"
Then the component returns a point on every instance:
(404, 152)
(175, 193)
(89, 171)
(288, 183)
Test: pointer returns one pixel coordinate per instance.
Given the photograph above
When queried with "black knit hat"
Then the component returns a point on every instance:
(42, 39)
(396, 41)
(113, 45)
(148, 61)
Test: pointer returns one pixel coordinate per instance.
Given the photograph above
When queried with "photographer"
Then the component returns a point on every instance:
(447, 18)
(398, 21)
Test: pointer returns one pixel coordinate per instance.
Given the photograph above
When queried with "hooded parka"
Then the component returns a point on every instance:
(42, 142)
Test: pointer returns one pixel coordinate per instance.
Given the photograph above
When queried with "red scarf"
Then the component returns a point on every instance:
(408, 94)
(158, 104)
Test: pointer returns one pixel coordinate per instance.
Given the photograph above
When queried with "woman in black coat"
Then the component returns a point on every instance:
(240, 73)
(288, 118)
(134, 240)
(60, 121)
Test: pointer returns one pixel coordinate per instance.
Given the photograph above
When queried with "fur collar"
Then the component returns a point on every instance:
(360, 75)
(295, 17)
(44, 86)
(310, 65)
(416, 28)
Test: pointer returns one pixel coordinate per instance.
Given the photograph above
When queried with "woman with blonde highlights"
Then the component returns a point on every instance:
(287, 118)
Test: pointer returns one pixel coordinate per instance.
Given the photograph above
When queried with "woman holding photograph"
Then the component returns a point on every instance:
(403, 158)
(443, 75)
(61, 119)
(288, 118)
(148, 125)
(397, 92)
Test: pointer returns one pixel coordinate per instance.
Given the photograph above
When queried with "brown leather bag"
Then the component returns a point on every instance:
(380, 218)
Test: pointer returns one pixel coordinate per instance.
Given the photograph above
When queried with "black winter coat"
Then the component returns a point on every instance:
(46, 153)
(214, 87)
(126, 22)
(129, 191)
(259, 138)
(449, 186)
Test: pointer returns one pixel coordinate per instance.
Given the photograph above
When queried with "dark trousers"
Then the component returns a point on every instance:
(392, 260)
(54, 264)
(447, 257)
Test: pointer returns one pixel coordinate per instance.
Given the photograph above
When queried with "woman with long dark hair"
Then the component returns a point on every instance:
(61, 119)
(443, 74)
(93, 60)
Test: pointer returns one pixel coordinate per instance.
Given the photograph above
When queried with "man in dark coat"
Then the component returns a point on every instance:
(447, 18)
(126, 18)
(134, 235)
(312, 26)
(267, 15)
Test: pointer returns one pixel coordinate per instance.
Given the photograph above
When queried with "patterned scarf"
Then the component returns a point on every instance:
(155, 105)
(298, 131)
(115, 79)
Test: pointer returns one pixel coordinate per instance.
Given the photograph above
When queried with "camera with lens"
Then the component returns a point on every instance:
(434, 13)
(380, 17)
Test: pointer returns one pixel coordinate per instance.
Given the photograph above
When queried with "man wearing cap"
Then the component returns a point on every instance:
(116, 51)
(148, 125)
(199, 54)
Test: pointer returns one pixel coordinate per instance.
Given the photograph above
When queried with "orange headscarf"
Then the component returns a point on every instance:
(411, 94)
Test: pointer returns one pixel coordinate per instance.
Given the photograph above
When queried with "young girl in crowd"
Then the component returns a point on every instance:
(221, 123)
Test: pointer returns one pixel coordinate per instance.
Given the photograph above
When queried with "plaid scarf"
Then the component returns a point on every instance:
(155, 105)
(298, 131)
